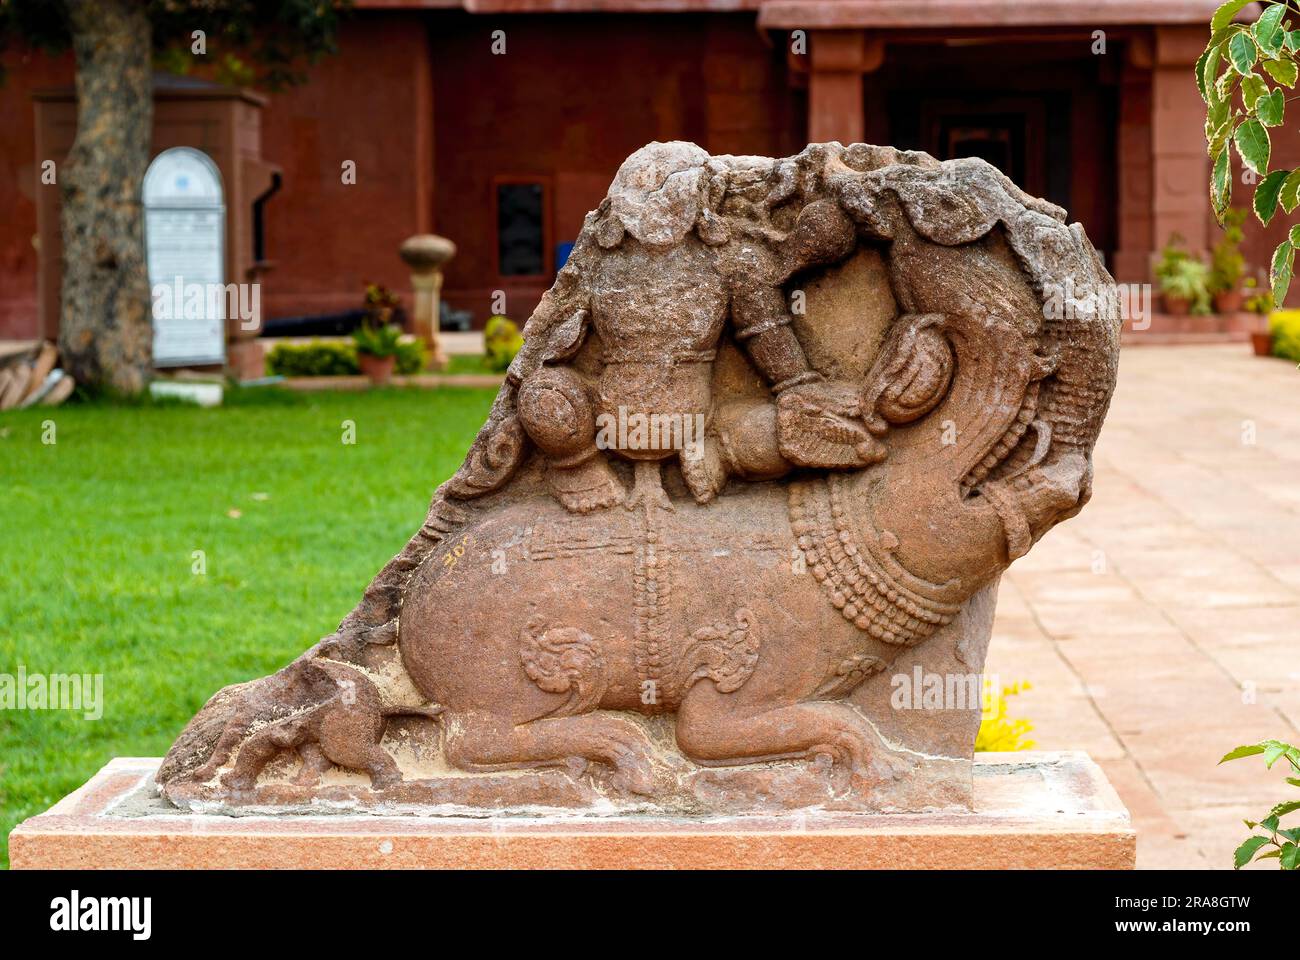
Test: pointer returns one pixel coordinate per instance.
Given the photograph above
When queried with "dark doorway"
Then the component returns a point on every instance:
(1049, 124)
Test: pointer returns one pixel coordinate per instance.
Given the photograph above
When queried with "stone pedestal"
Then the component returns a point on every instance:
(1032, 810)
(425, 254)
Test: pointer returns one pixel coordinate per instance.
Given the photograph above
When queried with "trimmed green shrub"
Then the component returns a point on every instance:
(501, 341)
(320, 358)
(380, 341)
(411, 357)
(328, 358)
(1285, 325)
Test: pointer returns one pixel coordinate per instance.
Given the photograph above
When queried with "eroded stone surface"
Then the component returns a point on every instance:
(716, 510)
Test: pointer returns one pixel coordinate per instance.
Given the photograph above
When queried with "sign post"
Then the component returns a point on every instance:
(185, 221)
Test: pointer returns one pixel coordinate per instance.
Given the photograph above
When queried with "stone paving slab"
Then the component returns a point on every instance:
(1161, 627)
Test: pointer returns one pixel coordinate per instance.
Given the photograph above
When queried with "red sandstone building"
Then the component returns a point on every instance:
(1091, 105)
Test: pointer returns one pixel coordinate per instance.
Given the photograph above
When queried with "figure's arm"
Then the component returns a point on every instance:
(823, 234)
(762, 326)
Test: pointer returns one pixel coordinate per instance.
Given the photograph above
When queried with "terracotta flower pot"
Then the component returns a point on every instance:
(378, 369)
(1178, 306)
(1227, 301)
(1261, 341)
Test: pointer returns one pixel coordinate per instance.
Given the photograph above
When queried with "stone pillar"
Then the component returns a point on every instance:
(425, 253)
(1136, 238)
(840, 58)
(1180, 169)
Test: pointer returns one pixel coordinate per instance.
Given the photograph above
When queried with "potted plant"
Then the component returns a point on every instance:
(1227, 264)
(1260, 303)
(1183, 287)
(377, 350)
(1172, 257)
(380, 304)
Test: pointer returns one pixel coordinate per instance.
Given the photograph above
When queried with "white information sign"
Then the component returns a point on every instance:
(184, 227)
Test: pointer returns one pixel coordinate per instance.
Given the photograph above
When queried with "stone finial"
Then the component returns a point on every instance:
(426, 251)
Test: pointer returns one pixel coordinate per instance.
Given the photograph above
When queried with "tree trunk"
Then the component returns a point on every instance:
(105, 328)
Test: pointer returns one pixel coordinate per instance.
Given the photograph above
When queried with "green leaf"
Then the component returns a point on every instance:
(1282, 809)
(1201, 62)
(1269, 823)
(1242, 52)
(1265, 201)
(1274, 751)
(1252, 88)
(1221, 185)
(1272, 854)
(1268, 29)
(1294, 781)
(1223, 86)
(1280, 273)
(1253, 145)
(1293, 40)
(1223, 16)
(1216, 121)
(1217, 140)
(1283, 71)
(1250, 750)
(1269, 107)
(1290, 856)
(1246, 852)
(1289, 196)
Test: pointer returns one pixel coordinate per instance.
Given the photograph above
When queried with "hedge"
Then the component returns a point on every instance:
(1285, 325)
(335, 358)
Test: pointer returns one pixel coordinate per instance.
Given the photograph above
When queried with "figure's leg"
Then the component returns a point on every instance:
(557, 413)
(478, 740)
(648, 487)
(259, 750)
(704, 469)
(715, 727)
(314, 764)
(383, 769)
(352, 738)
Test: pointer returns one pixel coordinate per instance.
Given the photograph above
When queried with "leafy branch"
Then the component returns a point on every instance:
(1240, 76)
(1283, 841)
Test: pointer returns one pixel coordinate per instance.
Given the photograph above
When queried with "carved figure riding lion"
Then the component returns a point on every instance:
(775, 432)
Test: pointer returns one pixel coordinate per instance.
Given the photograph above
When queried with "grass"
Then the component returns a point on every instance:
(98, 533)
(468, 363)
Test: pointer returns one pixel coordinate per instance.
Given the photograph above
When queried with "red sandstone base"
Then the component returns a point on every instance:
(1033, 810)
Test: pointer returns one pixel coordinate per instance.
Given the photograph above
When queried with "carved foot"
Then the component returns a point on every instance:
(706, 472)
(648, 488)
(585, 486)
(820, 425)
(867, 766)
(714, 728)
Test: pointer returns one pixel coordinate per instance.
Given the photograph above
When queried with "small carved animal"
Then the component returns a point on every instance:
(345, 730)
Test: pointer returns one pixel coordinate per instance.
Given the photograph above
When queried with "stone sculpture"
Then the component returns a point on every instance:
(775, 432)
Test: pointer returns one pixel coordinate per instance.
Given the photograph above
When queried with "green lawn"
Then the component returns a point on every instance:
(97, 538)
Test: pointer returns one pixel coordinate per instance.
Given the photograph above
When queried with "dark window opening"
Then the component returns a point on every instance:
(521, 230)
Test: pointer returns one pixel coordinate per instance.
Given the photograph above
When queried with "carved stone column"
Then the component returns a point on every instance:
(425, 253)
(1180, 168)
(1136, 222)
(840, 59)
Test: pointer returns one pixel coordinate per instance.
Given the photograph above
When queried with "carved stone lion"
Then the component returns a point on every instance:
(774, 434)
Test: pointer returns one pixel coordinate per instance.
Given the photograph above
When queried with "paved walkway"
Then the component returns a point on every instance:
(1161, 627)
